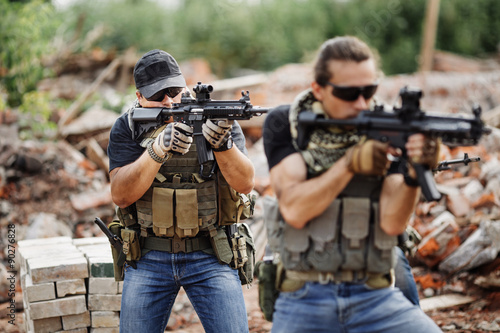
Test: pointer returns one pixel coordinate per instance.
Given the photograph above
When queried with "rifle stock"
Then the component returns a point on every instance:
(194, 112)
(395, 128)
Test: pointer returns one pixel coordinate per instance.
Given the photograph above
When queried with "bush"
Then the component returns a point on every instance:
(25, 38)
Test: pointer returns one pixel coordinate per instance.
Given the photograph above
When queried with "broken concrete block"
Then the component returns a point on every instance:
(480, 248)
(440, 242)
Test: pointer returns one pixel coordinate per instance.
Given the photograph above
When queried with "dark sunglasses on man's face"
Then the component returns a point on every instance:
(351, 94)
(170, 92)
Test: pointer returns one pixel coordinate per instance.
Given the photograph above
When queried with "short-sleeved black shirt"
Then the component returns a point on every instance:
(122, 150)
(277, 136)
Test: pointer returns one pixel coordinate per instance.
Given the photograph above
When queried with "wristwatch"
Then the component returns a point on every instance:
(226, 146)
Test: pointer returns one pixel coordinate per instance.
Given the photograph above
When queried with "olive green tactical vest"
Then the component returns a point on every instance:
(179, 202)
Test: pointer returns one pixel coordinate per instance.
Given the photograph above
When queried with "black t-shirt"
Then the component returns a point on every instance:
(122, 150)
(278, 138)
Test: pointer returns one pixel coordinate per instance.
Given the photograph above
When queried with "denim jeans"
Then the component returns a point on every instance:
(348, 308)
(150, 290)
(404, 278)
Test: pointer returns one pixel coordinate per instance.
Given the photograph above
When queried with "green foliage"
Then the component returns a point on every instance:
(236, 34)
(262, 35)
(26, 33)
(469, 27)
(36, 109)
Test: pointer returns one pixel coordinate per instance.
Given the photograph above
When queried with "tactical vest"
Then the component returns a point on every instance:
(179, 202)
(346, 236)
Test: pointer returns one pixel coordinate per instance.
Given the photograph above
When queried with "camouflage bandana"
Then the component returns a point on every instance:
(326, 144)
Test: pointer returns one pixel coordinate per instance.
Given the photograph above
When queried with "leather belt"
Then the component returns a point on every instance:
(176, 244)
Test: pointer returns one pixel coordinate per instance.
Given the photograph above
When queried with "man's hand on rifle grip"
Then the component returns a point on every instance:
(175, 138)
(217, 131)
(368, 158)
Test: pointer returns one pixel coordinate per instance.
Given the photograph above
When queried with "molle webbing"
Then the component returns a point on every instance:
(185, 165)
(347, 236)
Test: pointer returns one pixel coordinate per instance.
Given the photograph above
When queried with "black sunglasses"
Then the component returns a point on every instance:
(351, 94)
(170, 92)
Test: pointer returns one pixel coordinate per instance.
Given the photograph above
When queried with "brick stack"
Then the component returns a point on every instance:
(68, 285)
(104, 293)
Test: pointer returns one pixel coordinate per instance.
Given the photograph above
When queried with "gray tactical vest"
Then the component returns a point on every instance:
(346, 236)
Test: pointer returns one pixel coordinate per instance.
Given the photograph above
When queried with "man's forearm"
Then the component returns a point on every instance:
(303, 199)
(130, 182)
(237, 169)
(397, 204)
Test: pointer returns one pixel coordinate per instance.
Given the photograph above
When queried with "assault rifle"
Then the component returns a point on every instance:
(194, 112)
(445, 165)
(395, 127)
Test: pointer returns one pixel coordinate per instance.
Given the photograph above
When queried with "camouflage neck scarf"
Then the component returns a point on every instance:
(326, 144)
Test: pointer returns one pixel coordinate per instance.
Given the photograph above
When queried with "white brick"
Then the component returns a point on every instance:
(106, 247)
(44, 241)
(78, 330)
(38, 292)
(103, 286)
(47, 325)
(90, 241)
(104, 302)
(71, 287)
(105, 319)
(45, 270)
(76, 321)
(47, 251)
(58, 307)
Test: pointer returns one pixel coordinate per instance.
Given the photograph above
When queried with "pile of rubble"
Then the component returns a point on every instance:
(50, 189)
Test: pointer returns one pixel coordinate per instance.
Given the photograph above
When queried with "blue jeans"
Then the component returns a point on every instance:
(150, 290)
(348, 308)
(404, 278)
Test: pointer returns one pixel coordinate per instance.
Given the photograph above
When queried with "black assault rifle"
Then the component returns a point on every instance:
(395, 127)
(445, 165)
(194, 112)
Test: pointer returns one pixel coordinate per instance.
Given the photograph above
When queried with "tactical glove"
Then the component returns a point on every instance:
(175, 138)
(430, 153)
(217, 132)
(368, 158)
